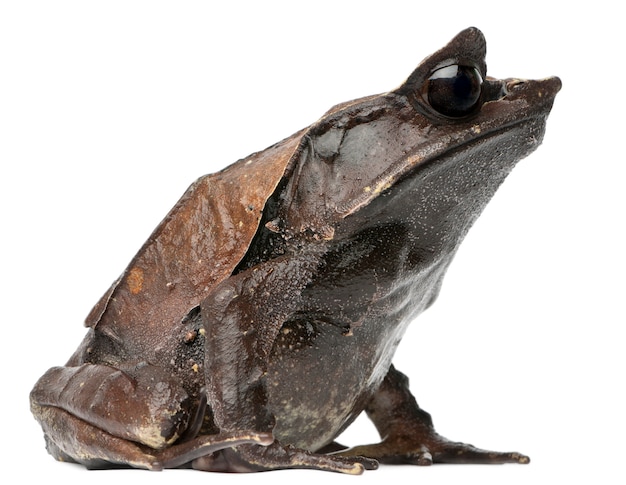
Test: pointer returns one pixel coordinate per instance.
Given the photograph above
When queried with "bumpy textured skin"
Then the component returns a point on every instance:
(261, 317)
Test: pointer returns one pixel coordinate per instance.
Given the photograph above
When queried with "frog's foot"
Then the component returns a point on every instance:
(253, 458)
(408, 434)
(424, 451)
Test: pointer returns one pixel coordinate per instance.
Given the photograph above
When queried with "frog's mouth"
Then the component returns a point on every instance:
(520, 115)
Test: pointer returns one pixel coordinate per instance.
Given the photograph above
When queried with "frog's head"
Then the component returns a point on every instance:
(449, 129)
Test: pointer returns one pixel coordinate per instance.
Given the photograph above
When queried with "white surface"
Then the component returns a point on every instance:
(108, 110)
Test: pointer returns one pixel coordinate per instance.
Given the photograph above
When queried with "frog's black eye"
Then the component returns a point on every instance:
(454, 91)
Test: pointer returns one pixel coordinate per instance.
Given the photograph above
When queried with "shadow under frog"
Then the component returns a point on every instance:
(261, 317)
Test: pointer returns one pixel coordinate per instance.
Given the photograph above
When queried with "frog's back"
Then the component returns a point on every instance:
(197, 245)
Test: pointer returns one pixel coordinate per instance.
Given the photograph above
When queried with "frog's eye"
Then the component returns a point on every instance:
(454, 91)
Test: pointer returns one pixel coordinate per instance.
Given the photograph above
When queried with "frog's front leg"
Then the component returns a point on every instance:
(242, 318)
(103, 417)
(408, 435)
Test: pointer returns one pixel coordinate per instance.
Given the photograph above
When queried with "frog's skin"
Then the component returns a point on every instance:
(261, 317)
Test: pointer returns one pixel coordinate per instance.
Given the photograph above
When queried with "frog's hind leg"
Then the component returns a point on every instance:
(102, 417)
(409, 436)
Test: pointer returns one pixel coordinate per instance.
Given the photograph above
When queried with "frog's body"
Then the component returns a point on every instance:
(257, 323)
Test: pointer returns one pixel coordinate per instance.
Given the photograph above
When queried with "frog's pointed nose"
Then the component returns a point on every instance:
(552, 84)
(547, 87)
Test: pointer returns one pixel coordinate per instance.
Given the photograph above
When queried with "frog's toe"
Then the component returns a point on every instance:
(206, 445)
(252, 458)
(391, 453)
(464, 453)
(424, 459)
(437, 451)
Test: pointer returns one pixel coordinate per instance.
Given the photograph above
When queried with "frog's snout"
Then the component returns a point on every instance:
(544, 88)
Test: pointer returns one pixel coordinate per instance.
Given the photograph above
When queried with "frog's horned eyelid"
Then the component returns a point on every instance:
(469, 48)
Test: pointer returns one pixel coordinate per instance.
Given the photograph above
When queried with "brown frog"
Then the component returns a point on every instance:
(262, 315)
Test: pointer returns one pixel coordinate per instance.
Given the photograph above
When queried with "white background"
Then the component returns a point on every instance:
(108, 110)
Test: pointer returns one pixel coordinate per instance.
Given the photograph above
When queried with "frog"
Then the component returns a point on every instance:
(262, 315)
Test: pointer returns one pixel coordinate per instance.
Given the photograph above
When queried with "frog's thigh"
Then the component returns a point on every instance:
(95, 412)
(71, 439)
(409, 434)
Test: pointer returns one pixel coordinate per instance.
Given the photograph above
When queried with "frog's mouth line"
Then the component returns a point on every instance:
(535, 125)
